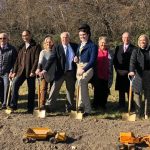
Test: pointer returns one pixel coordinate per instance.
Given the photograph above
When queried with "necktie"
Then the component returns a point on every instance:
(125, 48)
(67, 59)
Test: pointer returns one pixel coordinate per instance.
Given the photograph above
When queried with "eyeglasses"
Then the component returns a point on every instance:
(3, 38)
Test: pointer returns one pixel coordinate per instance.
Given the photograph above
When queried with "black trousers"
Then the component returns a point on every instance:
(101, 92)
(18, 81)
(122, 99)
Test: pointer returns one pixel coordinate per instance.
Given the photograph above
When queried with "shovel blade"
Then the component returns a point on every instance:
(39, 113)
(8, 111)
(129, 117)
(76, 115)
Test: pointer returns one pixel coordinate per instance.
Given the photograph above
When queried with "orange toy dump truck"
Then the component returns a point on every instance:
(129, 141)
(34, 134)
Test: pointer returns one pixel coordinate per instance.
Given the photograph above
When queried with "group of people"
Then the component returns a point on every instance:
(75, 63)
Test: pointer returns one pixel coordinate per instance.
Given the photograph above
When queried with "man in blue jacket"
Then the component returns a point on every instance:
(86, 58)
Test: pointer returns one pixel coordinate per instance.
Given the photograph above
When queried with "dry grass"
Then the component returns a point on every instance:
(111, 105)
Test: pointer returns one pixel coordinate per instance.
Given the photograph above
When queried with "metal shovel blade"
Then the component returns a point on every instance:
(129, 117)
(39, 113)
(8, 111)
(76, 115)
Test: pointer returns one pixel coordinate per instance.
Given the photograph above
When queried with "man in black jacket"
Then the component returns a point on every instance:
(24, 69)
(63, 54)
(121, 63)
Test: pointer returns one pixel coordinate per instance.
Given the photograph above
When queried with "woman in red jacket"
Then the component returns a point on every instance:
(104, 74)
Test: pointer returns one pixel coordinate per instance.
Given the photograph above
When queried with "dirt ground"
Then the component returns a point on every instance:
(92, 133)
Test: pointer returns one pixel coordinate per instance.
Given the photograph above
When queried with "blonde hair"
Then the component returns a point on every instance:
(45, 40)
(145, 36)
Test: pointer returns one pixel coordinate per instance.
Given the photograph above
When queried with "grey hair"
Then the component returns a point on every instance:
(67, 33)
(5, 35)
(126, 33)
(103, 38)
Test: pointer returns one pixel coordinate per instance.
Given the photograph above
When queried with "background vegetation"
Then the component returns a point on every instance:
(106, 17)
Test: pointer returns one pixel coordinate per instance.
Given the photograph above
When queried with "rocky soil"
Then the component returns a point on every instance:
(92, 133)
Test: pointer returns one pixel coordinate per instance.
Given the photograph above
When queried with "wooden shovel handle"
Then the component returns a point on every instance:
(130, 92)
(130, 97)
(39, 92)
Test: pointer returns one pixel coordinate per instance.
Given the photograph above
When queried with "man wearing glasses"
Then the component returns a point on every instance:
(8, 56)
(24, 69)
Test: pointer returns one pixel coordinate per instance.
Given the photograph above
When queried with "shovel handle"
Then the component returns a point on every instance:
(9, 90)
(131, 78)
(78, 91)
(39, 92)
(77, 97)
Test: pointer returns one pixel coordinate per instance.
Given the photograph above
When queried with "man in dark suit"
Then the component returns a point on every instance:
(121, 63)
(24, 69)
(63, 54)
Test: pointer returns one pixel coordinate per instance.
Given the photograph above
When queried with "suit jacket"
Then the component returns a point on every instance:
(88, 55)
(58, 56)
(121, 59)
(27, 59)
(121, 62)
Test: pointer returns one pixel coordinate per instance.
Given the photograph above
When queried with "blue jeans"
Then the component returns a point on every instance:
(5, 84)
(18, 81)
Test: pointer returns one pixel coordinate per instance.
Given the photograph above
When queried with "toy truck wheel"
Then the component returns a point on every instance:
(53, 140)
(131, 146)
(122, 147)
(25, 140)
(32, 140)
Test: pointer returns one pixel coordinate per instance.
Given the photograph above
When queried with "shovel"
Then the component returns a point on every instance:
(77, 114)
(39, 112)
(130, 116)
(9, 110)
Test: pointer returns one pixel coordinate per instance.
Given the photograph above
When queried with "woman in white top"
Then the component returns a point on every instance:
(43, 57)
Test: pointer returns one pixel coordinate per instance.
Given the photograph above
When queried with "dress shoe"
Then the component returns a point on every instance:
(86, 114)
(13, 107)
(4, 107)
(42, 107)
(30, 111)
(48, 108)
(81, 109)
(68, 108)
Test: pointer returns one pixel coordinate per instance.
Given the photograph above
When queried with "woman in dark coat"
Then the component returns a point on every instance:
(140, 68)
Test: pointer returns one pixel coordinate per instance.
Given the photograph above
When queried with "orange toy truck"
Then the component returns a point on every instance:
(34, 134)
(129, 141)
